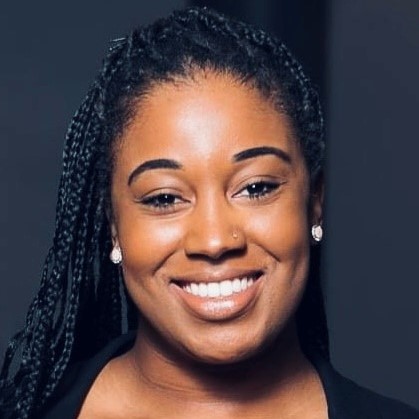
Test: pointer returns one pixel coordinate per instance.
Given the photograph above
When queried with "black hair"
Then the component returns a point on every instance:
(80, 305)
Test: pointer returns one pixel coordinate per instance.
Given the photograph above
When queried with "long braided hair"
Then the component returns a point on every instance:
(81, 304)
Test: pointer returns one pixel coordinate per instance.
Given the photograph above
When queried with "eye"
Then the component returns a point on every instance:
(162, 201)
(258, 190)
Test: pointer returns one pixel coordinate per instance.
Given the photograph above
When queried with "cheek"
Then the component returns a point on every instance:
(281, 235)
(282, 230)
(146, 244)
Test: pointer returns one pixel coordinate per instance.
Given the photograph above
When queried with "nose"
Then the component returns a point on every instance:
(214, 231)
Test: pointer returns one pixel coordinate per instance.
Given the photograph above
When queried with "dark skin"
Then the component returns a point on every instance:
(210, 186)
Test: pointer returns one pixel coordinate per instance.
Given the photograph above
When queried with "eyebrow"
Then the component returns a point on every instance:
(152, 165)
(251, 153)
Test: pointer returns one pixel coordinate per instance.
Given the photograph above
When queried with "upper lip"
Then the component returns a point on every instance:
(216, 276)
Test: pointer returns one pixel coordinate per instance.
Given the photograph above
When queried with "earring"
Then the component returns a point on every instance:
(116, 255)
(317, 232)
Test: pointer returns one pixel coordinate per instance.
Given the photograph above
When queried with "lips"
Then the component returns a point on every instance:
(220, 297)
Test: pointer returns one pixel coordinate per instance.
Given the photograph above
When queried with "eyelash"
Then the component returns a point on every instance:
(166, 202)
(260, 189)
(162, 201)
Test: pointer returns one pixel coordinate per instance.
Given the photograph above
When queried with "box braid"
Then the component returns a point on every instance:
(80, 306)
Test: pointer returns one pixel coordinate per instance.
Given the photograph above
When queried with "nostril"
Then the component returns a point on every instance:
(218, 257)
(213, 236)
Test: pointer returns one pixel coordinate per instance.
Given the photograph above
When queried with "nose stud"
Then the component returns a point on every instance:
(235, 235)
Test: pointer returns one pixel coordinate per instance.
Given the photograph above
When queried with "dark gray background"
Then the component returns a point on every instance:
(367, 67)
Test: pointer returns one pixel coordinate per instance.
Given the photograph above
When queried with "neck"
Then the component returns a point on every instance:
(274, 372)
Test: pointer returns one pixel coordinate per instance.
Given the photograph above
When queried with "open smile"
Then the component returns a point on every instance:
(224, 288)
(219, 300)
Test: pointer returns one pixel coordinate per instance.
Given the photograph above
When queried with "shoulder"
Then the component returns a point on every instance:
(348, 400)
(382, 407)
(78, 380)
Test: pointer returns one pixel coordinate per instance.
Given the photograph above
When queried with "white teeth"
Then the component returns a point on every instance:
(203, 290)
(226, 288)
(243, 284)
(216, 289)
(194, 288)
(237, 285)
(213, 289)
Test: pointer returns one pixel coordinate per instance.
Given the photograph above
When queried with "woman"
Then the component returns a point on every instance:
(188, 212)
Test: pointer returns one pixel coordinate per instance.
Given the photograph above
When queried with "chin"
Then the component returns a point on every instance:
(228, 350)
(225, 356)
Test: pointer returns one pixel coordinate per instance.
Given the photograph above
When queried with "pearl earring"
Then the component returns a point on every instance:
(116, 255)
(317, 232)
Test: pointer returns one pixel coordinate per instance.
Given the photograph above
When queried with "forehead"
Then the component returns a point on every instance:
(210, 115)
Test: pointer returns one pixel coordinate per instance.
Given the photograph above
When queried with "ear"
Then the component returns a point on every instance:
(317, 200)
(112, 226)
(114, 234)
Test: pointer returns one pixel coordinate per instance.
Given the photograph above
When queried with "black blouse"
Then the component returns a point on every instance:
(345, 399)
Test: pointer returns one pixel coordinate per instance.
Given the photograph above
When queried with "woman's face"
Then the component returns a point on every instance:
(210, 196)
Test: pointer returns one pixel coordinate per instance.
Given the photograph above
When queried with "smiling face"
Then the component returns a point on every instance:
(210, 197)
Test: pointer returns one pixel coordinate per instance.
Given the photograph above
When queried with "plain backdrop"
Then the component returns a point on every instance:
(363, 54)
